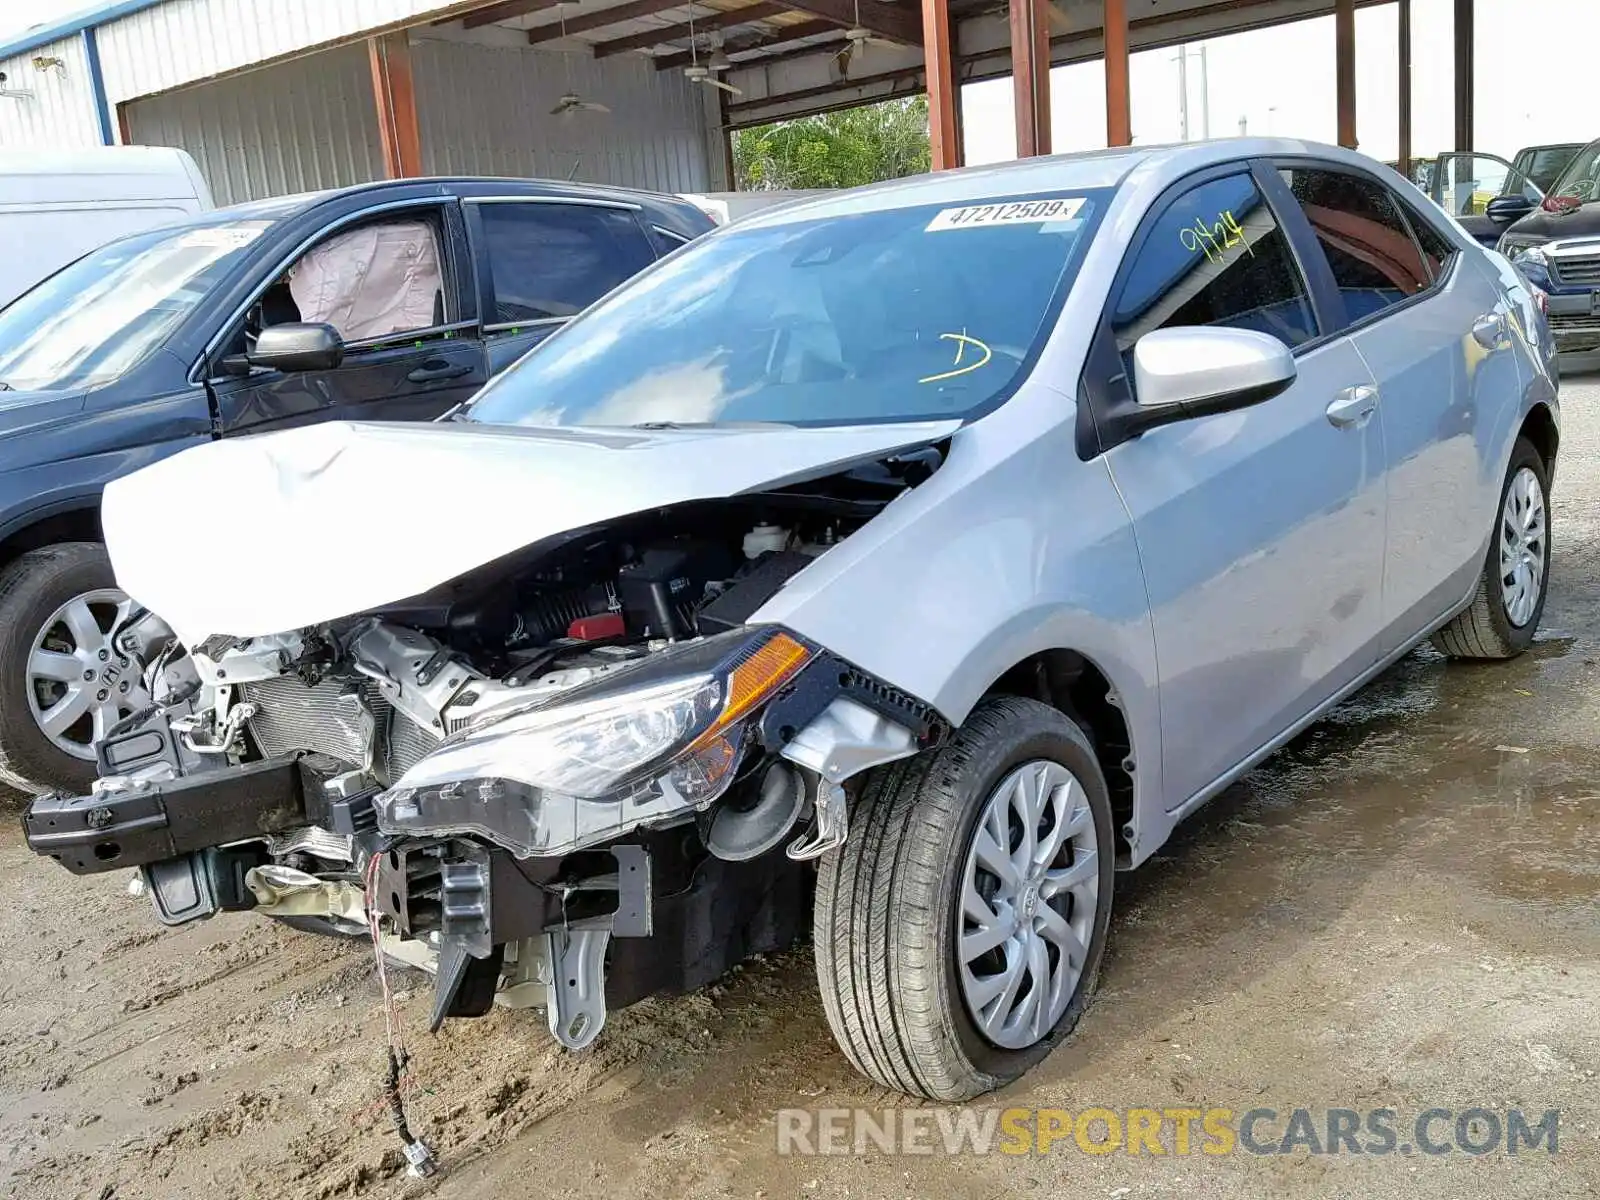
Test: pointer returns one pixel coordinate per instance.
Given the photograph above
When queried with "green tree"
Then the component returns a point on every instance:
(841, 149)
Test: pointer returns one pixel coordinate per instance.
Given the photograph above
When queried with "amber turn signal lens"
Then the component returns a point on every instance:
(768, 667)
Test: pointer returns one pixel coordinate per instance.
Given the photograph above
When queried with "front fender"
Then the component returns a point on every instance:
(1013, 547)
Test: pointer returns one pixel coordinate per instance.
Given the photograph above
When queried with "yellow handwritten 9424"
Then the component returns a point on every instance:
(1215, 239)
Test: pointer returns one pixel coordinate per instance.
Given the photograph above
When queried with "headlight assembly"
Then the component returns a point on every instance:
(1527, 254)
(653, 742)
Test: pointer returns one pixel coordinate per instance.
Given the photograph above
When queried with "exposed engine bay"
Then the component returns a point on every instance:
(527, 772)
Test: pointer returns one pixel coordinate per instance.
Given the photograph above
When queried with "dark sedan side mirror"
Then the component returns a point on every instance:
(298, 347)
(1503, 210)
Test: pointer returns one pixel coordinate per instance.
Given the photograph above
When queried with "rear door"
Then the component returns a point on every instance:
(543, 261)
(1436, 334)
(396, 282)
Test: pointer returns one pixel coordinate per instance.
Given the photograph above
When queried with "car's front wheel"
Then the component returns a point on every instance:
(1504, 613)
(960, 929)
(63, 683)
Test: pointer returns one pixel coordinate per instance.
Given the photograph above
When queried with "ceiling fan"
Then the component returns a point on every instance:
(695, 72)
(857, 38)
(570, 101)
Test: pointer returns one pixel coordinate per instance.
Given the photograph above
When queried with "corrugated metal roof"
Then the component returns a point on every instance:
(54, 31)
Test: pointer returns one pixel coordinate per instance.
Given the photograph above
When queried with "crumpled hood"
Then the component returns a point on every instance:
(256, 535)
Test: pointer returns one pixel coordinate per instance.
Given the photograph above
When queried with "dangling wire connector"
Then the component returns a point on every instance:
(420, 1162)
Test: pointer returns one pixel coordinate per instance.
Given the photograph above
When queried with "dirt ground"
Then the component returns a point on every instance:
(1400, 910)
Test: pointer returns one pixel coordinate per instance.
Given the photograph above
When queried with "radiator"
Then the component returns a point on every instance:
(338, 718)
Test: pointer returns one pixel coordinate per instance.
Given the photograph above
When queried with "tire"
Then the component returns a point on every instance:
(889, 918)
(32, 589)
(1485, 629)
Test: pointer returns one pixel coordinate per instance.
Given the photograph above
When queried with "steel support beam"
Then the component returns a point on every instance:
(1464, 73)
(502, 12)
(1119, 109)
(944, 142)
(890, 21)
(1404, 155)
(705, 23)
(584, 20)
(1344, 50)
(744, 43)
(390, 58)
(1030, 75)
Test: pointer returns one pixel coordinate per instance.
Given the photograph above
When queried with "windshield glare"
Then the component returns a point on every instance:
(91, 321)
(894, 315)
(1581, 179)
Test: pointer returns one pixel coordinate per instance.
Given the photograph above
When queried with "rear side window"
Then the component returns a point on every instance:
(1437, 250)
(1375, 261)
(1215, 256)
(551, 261)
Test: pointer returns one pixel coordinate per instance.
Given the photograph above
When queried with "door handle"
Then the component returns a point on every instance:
(439, 368)
(1353, 406)
(1489, 330)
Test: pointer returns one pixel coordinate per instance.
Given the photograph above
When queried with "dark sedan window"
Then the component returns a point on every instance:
(551, 261)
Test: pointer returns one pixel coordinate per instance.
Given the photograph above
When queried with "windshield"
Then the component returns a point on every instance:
(894, 315)
(1581, 179)
(91, 321)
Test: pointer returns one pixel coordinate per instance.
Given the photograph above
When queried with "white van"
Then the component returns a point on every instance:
(55, 208)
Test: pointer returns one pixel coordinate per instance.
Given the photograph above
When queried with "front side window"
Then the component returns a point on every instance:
(1375, 260)
(373, 281)
(891, 315)
(551, 261)
(92, 321)
(1215, 256)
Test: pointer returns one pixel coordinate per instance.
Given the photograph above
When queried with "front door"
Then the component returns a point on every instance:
(389, 285)
(1465, 183)
(1261, 531)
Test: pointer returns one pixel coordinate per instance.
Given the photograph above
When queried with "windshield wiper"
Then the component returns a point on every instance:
(712, 425)
(6, 387)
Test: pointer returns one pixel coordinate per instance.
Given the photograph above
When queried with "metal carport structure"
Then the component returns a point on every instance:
(405, 87)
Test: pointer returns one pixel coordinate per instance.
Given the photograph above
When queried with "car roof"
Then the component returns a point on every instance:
(279, 207)
(1051, 173)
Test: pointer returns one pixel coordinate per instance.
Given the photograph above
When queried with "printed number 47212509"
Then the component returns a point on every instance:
(1216, 238)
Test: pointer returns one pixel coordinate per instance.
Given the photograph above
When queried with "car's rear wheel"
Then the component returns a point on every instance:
(959, 930)
(1505, 611)
(63, 683)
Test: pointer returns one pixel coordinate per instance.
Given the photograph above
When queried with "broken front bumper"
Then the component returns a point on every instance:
(136, 822)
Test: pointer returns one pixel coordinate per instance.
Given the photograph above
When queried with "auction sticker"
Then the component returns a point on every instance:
(1017, 212)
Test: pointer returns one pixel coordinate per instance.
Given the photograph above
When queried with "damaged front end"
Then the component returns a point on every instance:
(575, 777)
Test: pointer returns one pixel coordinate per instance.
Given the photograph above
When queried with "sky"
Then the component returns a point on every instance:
(1537, 62)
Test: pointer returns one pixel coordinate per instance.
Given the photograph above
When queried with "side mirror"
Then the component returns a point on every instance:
(298, 347)
(1197, 371)
(1503, 210)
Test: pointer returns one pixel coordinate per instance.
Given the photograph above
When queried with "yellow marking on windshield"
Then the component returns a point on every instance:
(962, 341)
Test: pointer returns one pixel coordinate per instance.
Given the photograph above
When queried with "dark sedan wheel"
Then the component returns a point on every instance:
(62, 682)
